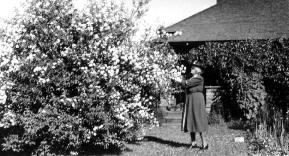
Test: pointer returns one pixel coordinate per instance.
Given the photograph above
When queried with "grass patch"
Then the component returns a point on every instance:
(170, 141)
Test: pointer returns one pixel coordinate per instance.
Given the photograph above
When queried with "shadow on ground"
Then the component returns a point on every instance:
(109, 152)
(165, 142)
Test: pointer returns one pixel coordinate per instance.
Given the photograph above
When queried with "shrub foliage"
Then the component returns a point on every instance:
(250, 73)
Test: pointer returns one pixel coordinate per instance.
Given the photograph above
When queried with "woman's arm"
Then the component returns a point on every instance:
(192, 82)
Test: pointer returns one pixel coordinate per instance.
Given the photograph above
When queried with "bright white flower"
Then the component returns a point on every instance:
(43, 80)
(9, 119)
(37, 69)
(95, 128)
(4, 62)
(3, 96)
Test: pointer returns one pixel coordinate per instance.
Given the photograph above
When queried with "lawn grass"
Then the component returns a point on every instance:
(170, 141)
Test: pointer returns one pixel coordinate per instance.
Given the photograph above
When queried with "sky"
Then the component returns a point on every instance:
(160, 12)
(168, 12)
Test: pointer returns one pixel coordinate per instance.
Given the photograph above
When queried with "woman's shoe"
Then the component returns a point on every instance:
(205, 147)
(193, 145)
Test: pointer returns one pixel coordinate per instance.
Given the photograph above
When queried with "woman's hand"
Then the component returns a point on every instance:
(177, 79)
(176, 76)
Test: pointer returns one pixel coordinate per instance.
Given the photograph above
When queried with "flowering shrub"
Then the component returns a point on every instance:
(75, 81)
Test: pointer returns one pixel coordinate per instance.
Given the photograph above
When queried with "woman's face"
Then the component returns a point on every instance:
(194, 71)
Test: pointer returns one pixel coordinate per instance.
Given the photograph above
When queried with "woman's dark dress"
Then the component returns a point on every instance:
(194, 114)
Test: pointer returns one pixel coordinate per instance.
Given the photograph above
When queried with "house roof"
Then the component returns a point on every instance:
(235, 20)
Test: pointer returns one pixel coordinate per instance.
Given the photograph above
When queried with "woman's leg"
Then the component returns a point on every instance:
(193, 138)
(204, 143)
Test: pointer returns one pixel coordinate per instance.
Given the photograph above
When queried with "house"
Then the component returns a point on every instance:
(231, 20)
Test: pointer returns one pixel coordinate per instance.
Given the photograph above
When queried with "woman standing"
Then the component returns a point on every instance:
(194, 118)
